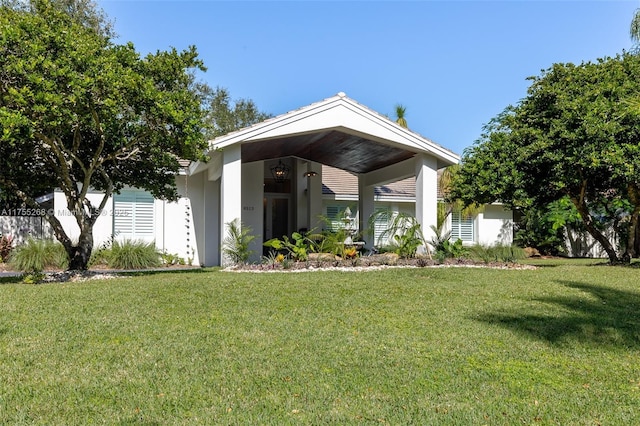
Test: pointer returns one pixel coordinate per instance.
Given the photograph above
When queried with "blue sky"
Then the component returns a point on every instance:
(453, 64)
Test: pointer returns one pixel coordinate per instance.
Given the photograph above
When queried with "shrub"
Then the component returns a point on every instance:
(510, 253)
(236, 244)
(498, 253)
(449, 250)
(404, 231)
(6, 246)
(170, 259)
(130, 254)
(34, 256)
(298, 247)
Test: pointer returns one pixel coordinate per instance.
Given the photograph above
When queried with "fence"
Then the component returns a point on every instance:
(22, 228)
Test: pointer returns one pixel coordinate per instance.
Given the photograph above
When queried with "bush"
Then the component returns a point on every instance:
(236, 244)
(451, 250)
(35, 256)
(498, 253)
(130, 254)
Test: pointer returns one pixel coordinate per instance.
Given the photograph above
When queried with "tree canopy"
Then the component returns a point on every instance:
(78, 112)
(225, 116)
(576, 134)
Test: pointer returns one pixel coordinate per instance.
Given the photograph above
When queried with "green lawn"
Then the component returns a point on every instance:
(460, 346)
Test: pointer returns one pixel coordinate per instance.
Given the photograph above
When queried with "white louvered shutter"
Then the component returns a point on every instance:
(462, 228)
(133, 216)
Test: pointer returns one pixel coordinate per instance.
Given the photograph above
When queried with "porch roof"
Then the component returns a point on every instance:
(338, 132)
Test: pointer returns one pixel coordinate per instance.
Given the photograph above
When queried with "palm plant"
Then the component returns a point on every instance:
(400, 114)
(404, 230)
(634, 29)
(236, 244)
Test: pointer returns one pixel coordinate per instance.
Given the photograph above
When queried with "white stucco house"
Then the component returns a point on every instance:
(492, 225)
(283, 174)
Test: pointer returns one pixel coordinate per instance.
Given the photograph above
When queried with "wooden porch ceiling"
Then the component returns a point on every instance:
(333, 148)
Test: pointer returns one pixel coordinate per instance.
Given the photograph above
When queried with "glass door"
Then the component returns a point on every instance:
(276, 216)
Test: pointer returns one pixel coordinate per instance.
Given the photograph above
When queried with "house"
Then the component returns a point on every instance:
(278, 176)
(492, 225)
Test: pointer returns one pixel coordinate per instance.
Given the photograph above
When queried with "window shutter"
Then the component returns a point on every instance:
(133, 215)
(380, 227)
(462, 228)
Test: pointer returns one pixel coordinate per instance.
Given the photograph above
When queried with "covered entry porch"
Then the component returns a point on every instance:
(270, 177)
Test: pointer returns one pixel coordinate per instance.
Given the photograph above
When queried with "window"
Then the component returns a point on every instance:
(133, 216)
(462, 227)
(335, 216)
(380, 227)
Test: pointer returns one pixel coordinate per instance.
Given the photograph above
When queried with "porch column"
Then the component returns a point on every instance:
(314, 196)
(252, 205)
(426, 168)
(366, 196)
(230, 191)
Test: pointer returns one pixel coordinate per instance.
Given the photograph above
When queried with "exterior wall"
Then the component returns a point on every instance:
(252, 198)
(582, 244)
(494, 226)
(203, 198)
(174, 222)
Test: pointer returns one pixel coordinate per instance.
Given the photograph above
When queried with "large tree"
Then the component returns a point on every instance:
(78, 112)
(85, 12)
(225, 115)
(576, 134)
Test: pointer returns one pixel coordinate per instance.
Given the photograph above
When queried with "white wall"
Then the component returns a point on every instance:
(204, 199)
(103, 228)
(494, 226)
(175, 225)
(252, 200)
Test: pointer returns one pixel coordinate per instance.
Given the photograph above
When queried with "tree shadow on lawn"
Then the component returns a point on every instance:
(597, 315)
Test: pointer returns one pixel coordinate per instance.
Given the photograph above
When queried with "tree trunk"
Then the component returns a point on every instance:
(80, 254)
(595, 232)
(630, 251)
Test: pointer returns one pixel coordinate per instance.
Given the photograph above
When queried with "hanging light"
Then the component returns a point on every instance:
(280, 172)
(310, 173)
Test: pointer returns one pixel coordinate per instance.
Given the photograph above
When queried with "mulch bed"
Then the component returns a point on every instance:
(366, 263)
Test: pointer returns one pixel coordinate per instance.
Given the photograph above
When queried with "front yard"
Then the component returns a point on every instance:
(556, 345)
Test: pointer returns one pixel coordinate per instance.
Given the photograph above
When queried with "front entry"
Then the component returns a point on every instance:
(277, 217)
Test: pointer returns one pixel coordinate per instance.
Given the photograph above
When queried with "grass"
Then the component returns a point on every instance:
(447, 346)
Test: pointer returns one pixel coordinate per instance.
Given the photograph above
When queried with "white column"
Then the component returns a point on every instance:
(230, 191)
(366, 196)
(252, 204)
(426, 168)
(301, 214)
(314, 196)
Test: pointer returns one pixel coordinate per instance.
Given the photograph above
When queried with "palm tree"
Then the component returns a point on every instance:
(634, 30)
(400, 112)
(445, 182)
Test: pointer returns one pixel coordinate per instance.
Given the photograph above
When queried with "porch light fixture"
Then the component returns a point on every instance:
(280, 172)
(310, 173)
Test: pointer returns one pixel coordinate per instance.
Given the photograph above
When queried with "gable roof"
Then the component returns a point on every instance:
(336, 131)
